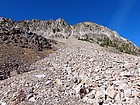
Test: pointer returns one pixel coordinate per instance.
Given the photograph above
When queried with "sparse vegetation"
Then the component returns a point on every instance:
(122, 47)
(86, 38)
(107, 42)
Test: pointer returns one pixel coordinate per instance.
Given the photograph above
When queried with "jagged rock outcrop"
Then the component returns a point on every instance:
(78, 73)
(24, 40)
(48, 29)
(92, 32)
(15, 45)
(32, 34)
(10, 33)
(86, 31)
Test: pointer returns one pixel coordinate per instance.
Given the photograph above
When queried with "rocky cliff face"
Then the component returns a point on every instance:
(86, 31)
(10, 33)
(36, 34)
(78, 73)
(48, 29)
(19, 48)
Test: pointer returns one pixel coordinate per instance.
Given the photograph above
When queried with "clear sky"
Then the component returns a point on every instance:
(122, 16)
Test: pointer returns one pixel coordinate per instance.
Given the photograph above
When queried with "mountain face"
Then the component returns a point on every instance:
(48, 29)
(36, 35)
(80, 73)
(104, 36)
(86, 31)
(10, 34)
(19, 48)
(54, 63)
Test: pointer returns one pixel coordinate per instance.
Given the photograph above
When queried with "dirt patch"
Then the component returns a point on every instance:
(14, 59)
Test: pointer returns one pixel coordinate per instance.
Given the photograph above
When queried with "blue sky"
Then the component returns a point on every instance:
(122, 16)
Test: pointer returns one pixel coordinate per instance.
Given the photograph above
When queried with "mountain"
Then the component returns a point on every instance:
(87, 31)
(78, 73)
(36, 35)
(19, 48)
(104, 36)
(54, 63)
(48, 29)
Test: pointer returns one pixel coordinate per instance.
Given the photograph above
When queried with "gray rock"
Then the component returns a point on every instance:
(80, 73)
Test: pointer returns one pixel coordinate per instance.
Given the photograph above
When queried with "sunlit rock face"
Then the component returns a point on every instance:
(86, 31)
(84, 69)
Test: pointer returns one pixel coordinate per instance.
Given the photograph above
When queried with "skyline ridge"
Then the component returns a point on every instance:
(119, 15)
(70, 24)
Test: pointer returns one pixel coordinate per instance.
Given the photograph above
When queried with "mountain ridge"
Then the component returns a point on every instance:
(83, 69)
(87, 31)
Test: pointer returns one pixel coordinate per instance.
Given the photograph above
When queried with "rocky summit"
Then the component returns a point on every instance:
(54, 63)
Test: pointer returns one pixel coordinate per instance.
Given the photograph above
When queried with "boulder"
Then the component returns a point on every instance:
(112, 93)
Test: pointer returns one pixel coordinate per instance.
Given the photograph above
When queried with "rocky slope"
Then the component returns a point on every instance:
(87, 31)
(91, 32)
(88, 67)
(75, 75)
(10, 34)
(48, 29)
(19, 48)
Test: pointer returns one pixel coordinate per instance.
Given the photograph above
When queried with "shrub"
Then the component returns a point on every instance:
(105, 42)
(124, 47)
(86, 38)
